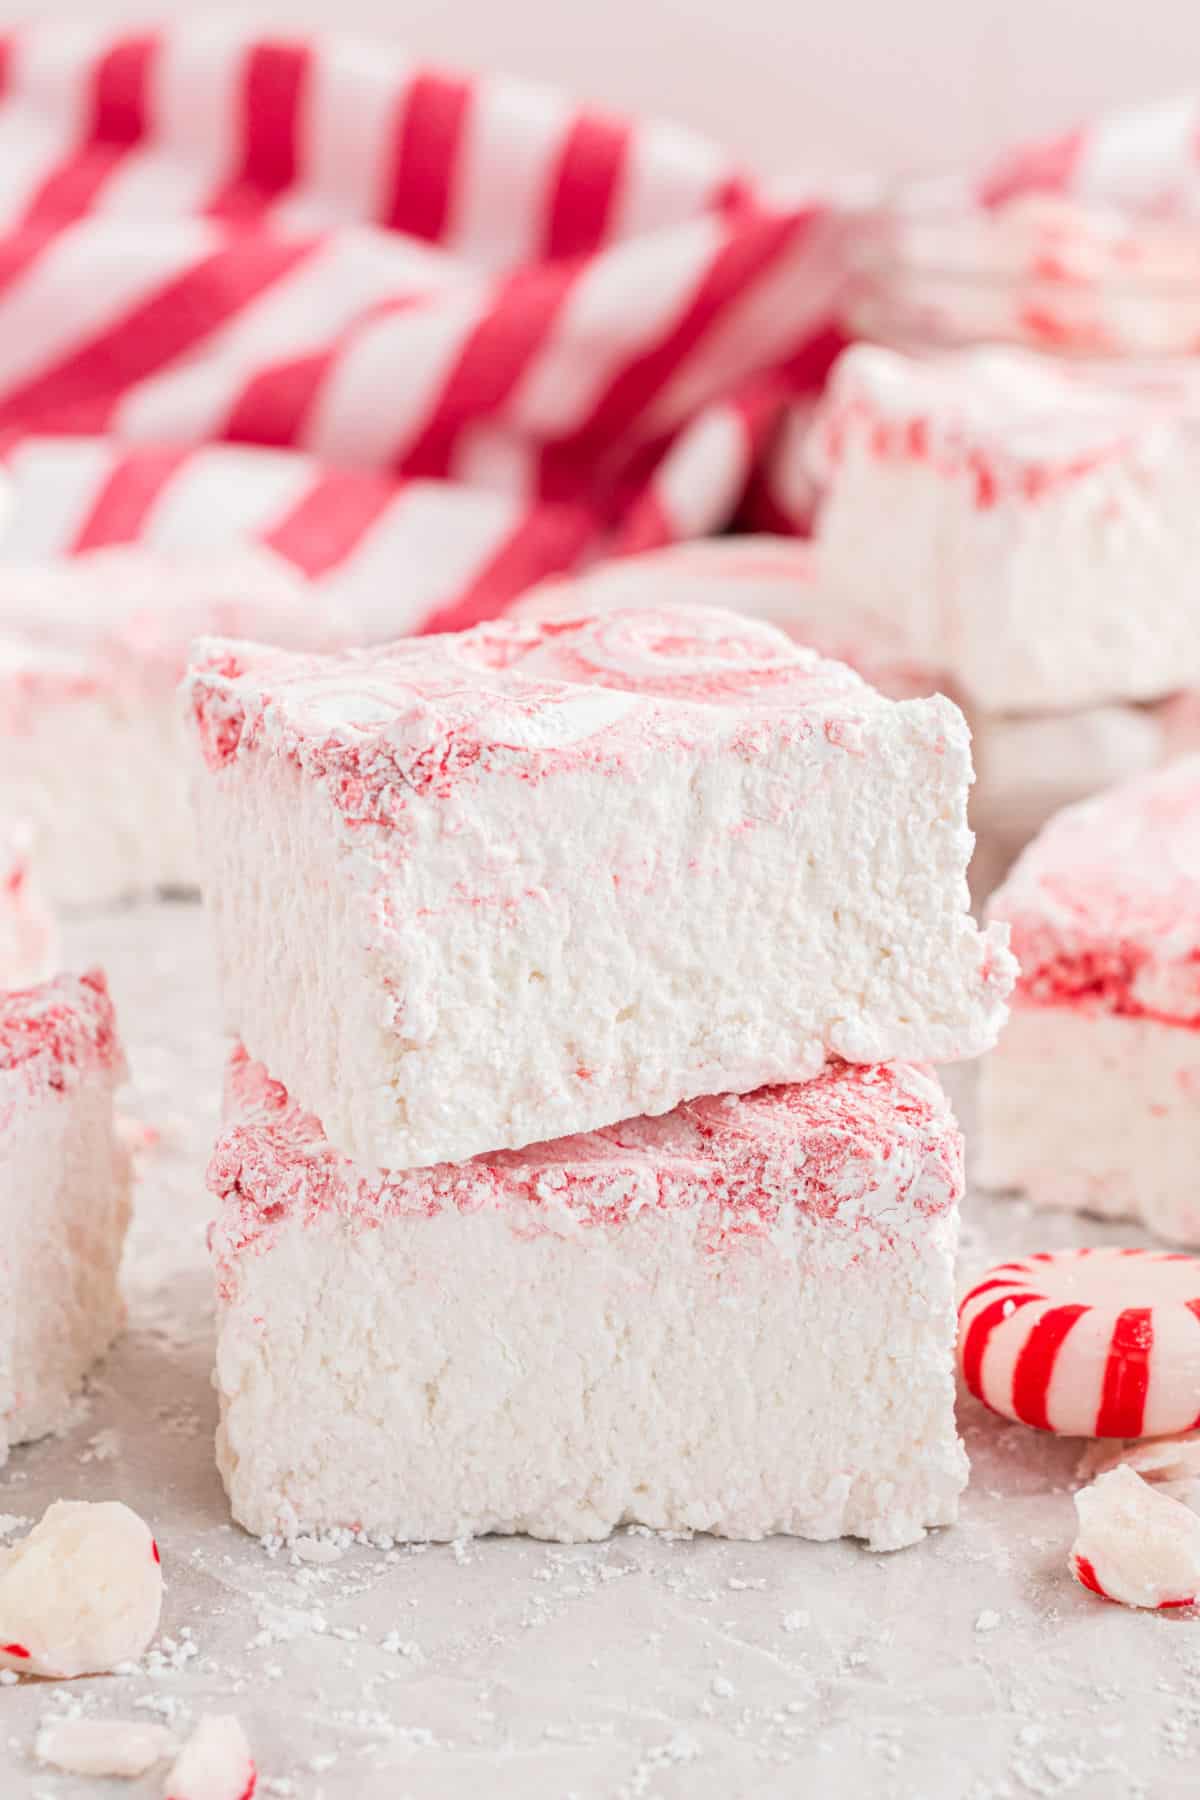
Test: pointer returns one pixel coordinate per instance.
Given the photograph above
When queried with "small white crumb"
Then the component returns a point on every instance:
(722, 1687)
(987, 1621)
(317, 1550)
(102, 1446)
(796, 1621)
(102, 1746)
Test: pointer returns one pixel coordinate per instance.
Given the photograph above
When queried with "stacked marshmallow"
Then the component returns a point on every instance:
(1039, 553)
(580, 1166)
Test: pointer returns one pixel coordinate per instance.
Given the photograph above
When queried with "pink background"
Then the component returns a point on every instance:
(893, 84)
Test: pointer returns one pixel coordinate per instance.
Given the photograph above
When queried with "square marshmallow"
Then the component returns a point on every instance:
(64, 1193)
(1032, 534)
(474, 892)
(1091, 1100)
(736, 1318)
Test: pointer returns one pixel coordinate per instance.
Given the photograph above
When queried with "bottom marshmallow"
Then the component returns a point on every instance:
(736, 1318)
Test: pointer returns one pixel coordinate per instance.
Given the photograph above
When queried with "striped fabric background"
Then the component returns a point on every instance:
(429, 336)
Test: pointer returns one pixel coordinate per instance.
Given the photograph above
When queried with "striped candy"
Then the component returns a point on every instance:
(1087, 1343)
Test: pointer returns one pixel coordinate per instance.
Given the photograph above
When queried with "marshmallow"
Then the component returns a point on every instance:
(1091, 1100)
(474, 892)
(681, 1301)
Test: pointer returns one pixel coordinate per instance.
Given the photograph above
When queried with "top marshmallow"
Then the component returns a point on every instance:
(477, 891)
(1039, 530)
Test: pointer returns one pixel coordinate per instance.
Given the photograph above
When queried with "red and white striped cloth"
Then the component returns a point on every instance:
(416, 331)
(430, 336)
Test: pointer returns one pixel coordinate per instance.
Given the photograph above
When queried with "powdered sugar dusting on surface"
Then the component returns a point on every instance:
(1104, 905)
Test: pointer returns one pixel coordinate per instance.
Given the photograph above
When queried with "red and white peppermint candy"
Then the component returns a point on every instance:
(1087, 1343)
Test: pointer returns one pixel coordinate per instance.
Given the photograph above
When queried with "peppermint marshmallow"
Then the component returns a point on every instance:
(472, 892)
(736, 1318)
(1092, 1098)
(64, 1197)
(81, 1593)
(1042, 533)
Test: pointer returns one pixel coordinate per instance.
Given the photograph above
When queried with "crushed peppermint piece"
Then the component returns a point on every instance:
(102, 1746)
(81, 1593)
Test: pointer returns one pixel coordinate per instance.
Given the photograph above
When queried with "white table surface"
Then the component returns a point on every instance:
(969, 1667)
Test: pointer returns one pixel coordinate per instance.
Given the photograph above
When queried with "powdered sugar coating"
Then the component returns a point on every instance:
(1104, 905)
(566, 872)
(836, 1147)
